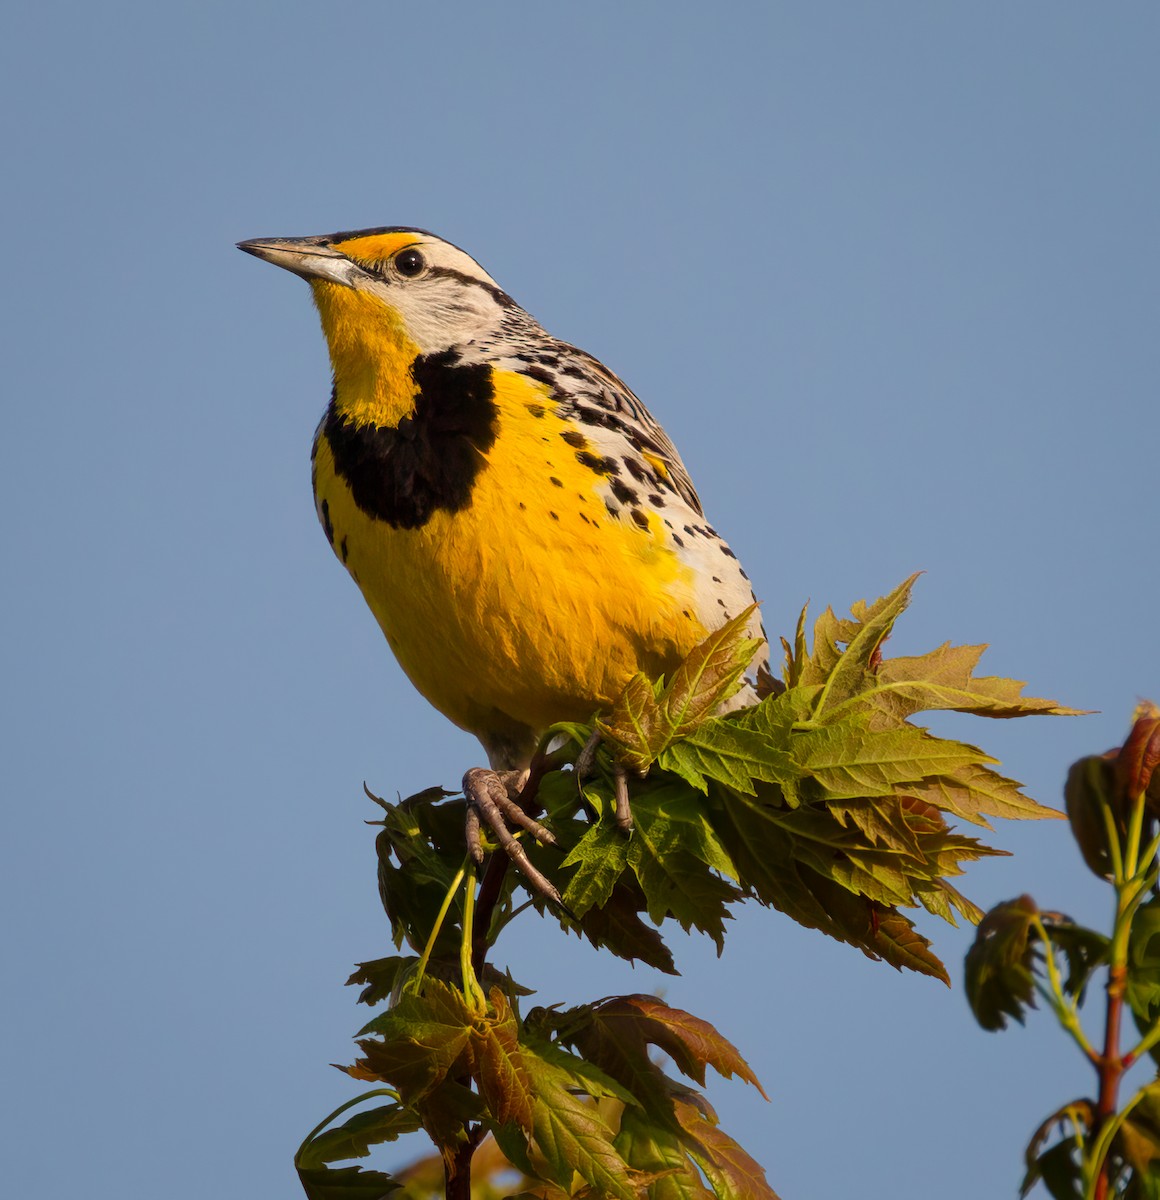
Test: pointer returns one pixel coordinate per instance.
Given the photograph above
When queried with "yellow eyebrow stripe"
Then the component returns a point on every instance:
(378, 247)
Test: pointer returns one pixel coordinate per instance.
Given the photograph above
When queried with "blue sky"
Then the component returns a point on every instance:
(886, 273)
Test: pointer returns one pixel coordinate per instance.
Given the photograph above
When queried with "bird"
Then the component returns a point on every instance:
(522, 528)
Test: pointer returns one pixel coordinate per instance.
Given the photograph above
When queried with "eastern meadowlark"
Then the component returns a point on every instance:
(521, 527)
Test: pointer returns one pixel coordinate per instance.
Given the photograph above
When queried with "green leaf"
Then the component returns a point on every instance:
(616, 926)
(677, 884)
(647, 1145)
(616, 1034)
(1143, 989)
(1090, 788)
(730, 753)
(647, 718)
(380, 975)
(346, 1183)
(504, 1079)
(584, 1075)
(599, 857)
(634, 1022)
(845, 674)
(1137, 1141)
(670, 819)
(572, 1136)
(943, 680)
(999, 965)
(710, 674)
(850, 759)
(731, 1172)
(975, 792)
(1084, 950)
(1059, 1167)
(419, 1041)
(355, 1137)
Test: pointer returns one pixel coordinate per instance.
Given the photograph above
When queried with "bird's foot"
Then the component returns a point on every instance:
(493, 800)
(586, 760)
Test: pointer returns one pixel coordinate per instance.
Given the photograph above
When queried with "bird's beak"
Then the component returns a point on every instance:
(310, 257)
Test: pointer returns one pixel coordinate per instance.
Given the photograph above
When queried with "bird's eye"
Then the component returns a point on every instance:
(410, 263)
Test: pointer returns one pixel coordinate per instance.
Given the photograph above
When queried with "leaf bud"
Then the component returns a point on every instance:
(1091, 784)
(1140, 754)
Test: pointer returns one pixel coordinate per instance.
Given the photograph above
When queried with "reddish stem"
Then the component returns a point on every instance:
(1110, 1066)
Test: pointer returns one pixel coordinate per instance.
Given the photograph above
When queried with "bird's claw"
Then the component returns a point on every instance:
(490, 802)
(586, 761)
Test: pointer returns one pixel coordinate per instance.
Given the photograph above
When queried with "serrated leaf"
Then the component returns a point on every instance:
(616, 925)
(345, 1183)
(355, 1136)
(600, 858)
(999, 965)
(848, 759)
(710, 674)
(942, 679)
(504, 1079)
(379, 975)
(975, 792)
(573, 1137)
(679, 885)
(1083, 950)
(645, 721)
(1137, 1142)
(422, 1039)
(649, 1146)
(1143, 986)
(584, 1075)
(731, 1171)
(863, 637)
(729, 753)
(616, 1034)
(670, 819)
(636, 724)
(1058, 1167)
(693, 1044)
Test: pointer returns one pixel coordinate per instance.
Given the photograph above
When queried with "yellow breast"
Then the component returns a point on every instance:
(531, 603)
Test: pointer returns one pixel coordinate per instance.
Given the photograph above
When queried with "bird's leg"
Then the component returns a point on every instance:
(490, 803)
(586, 760)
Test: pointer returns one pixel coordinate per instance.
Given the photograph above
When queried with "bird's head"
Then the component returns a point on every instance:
(387, 296)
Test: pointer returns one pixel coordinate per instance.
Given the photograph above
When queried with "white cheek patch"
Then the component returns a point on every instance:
(441, 312)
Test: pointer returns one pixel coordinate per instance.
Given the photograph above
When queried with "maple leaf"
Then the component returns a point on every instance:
(1000, 978)
(648, 717)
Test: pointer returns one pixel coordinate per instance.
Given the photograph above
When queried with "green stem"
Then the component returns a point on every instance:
(1113, 842)
(1064, 1009)
(1135, 828)
(425, 958)
(471, 989)
(1103, 1143)
(338, 1113)
(1130, 884)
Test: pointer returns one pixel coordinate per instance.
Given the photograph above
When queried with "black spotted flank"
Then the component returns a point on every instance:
(597, 463)
(431, 459)
(575, 439)
(640, 518)
(623, 492)
(327, 524)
